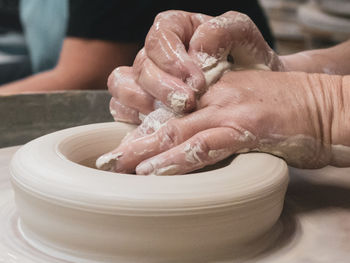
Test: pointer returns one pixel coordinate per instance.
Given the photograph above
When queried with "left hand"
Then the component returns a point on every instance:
(285, 114)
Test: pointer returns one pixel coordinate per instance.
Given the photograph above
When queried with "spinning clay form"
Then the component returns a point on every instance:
(78, 213)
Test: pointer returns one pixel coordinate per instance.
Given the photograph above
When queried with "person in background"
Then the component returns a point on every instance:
(74, 45)
(14, 59)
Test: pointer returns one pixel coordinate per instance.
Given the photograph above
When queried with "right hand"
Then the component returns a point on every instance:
(179, 49)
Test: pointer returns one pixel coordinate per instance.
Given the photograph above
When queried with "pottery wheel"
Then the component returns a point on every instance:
(314, 226)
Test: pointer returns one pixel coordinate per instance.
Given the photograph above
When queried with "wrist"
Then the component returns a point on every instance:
(287, 62)
(317, 61)
(340, 129)
(307, 61)
(325, 101)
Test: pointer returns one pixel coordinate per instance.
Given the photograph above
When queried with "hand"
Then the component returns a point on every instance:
(290, 115)
(184, 53)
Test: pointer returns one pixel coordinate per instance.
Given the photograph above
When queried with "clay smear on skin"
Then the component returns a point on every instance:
(108, 161)
(158, 118)
(291, 148)
(177, 101)
(191, 153)
(300, 149)
(213, 69)
(155, 120)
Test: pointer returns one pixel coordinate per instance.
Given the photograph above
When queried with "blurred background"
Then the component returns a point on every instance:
(307, 24)
(296, 25)
(14, 58)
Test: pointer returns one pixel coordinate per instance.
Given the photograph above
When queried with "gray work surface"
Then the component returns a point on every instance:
(28, 116)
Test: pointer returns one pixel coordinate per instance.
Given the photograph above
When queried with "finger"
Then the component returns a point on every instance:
(123, 87)
(197, 19)
(173, 133)
(166, 45)
(151, 123)
(138, 62)
(231, 36)
(205, 148)
(155, 120)
(123, 113)
(172, 91)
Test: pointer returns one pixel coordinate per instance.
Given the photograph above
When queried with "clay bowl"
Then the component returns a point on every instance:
(76, 212)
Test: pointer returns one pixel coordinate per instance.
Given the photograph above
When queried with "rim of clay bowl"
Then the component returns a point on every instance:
(42, 169)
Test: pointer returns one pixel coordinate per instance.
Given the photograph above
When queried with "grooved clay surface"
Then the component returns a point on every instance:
(229, 211)
(314, 226)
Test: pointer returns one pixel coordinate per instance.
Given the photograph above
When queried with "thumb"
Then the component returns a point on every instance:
(231, 41)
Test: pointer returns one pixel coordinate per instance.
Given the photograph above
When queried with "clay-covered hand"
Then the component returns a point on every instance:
(292, 115)
(184, 53)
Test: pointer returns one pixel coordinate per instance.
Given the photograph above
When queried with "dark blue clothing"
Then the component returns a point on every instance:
(130, 20)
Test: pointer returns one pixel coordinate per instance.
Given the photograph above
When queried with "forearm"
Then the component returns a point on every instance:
(53, 80)
(43, 82)
(83, 64)
(332, 60)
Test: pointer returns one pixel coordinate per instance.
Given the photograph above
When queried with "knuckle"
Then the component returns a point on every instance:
(243, 135)
(125, 95)
(120, 112)
(243, 16)
(231, 13)
(113, 108)
(252, 118)
(117, 72)
(166, 15)
(111, 79)
(152, 40)
(169, 135)
(114, 78)
(203, 144)
(163, 21)
(139, 60)
(237, 15)
(197, 151)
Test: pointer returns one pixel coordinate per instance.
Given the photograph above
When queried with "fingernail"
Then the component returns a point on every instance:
(144, 168)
